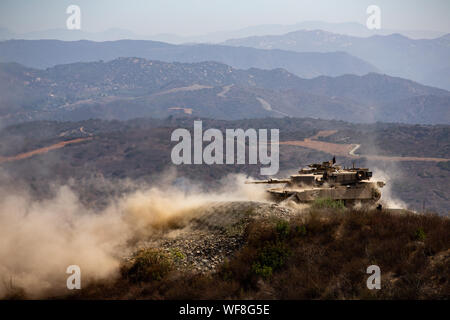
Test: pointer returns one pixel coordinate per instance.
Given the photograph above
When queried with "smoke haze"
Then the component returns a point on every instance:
(39, 239)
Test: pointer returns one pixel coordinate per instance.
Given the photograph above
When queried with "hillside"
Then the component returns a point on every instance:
(139, 150)
(108, 190)
(48, 53)
(396, 55)
(128, 88)
(250, 250)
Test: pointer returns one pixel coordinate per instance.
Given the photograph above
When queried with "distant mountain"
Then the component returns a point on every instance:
(372, 88)
(6, 34)
(70, 35)
(48, 53)
(127, 88)
(360, 30)
(394, 54)
(347, 28)
(74, 35)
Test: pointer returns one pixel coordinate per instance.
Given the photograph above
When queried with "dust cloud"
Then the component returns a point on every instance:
(387, 198)
(386, 171)
(39, 239)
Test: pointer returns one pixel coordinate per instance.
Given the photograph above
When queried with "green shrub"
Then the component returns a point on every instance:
(300, 230)
(327, 203)
(270, 258)
(177, 254)
(420, 235)
(148, 265)
(282, 228)
(262, 271)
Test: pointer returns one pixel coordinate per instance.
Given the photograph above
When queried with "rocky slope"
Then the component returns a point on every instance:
(261, 251)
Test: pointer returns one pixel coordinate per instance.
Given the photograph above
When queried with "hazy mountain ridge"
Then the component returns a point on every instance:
(393, 54)
(132, 87)
(348, 28)
(48, 53)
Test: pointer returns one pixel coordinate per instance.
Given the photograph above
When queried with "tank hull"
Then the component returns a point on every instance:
(362, 192)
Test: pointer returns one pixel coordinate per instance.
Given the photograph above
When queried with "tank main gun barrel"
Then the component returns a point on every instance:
(269, 181)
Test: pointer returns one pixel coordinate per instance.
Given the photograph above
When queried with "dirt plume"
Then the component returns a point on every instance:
(387, 197)
(39, 239)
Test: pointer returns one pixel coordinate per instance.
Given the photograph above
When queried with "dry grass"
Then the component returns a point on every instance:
(322, 257)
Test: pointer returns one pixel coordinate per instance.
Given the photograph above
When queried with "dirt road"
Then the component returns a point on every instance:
(348, 150)
(29, 154)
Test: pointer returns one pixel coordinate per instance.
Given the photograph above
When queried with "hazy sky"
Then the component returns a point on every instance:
(193, 17)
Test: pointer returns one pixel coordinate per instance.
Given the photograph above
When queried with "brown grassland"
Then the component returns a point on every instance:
(323, 254)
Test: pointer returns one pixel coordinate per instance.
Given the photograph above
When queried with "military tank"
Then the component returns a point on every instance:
(327, 180)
